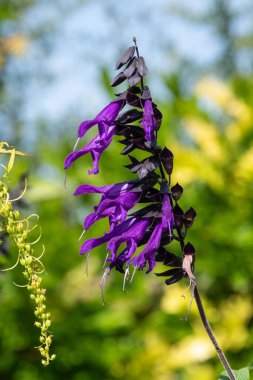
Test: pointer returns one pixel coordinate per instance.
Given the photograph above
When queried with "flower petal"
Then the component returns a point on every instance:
(148, 121)
(167, 214)
(148, 253)
(73, 156)
(118, 230)
(108, 115)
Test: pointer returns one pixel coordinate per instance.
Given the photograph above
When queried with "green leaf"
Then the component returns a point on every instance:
(241, 374)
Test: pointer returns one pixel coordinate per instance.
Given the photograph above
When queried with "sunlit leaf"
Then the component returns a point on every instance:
(241, 374)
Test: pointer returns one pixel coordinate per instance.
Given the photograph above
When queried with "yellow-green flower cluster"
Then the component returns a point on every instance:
(19, 231)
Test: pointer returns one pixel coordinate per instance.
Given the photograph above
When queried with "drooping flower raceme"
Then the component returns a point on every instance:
(136, 239)
(141, 238)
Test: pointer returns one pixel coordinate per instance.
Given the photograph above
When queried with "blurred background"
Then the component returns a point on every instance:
(56, 62)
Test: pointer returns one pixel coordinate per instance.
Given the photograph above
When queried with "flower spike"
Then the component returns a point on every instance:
(158, 220)
(153, 227)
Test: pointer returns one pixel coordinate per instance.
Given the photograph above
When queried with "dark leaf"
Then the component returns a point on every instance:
(122, 95)
(172, 260)
(124, 142)
(131, 166)
(141, 67)
(151, 211)
(140, 144)
(125, 57)
(150, 144)
(145, 163)
(167, 239)
(145, 93)
(128, 149)
(177, 277)
(133, 159)
(148, 165)
(133, 96)
(178, 216)
(134, 79)
(158, 116)
(168, 258)
(129, 116)
(151, 195)
(164, 187)
(135, 167)
(122, 130)
(189, 249)
(167, 160)
(177, 191)
(131, 67)
(170, 272)
(189, 217)
(118, 79)
(146, 183)
(135, 90)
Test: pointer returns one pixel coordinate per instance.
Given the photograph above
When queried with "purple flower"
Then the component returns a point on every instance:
(110, 191)
(167, 214)
(116, 201)
(129, 232)
(148, 121)
(148, 253)
(130, 237)
(123, 229)
(116, 209)
(106, 128)
(104, 119)
(165, 224)
(95, 147)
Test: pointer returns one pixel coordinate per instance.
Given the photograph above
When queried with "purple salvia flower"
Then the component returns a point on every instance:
(110, 191)
(148, 253)
(131, 237)
(129, 232)
(148, 121)
(165, 224)
(116, 209)
(151, 226)
(106, 117)
(92, 218)
(95, 147)
(117, 231)
(167, 214)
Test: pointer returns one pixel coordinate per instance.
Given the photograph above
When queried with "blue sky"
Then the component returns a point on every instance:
(80, 37)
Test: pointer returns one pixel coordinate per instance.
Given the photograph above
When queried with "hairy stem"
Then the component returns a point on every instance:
(209, 331)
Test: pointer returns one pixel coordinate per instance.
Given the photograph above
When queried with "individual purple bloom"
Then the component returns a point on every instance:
(95, 147)
(116, 209)
(148, 121)
(165, 224)
(167, 214)
(104, 119)
(110, 191)
(88, 245)
(93, 217)
(148, 253)
(130, 237)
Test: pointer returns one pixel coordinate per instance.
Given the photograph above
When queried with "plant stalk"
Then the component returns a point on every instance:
(209, 331)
